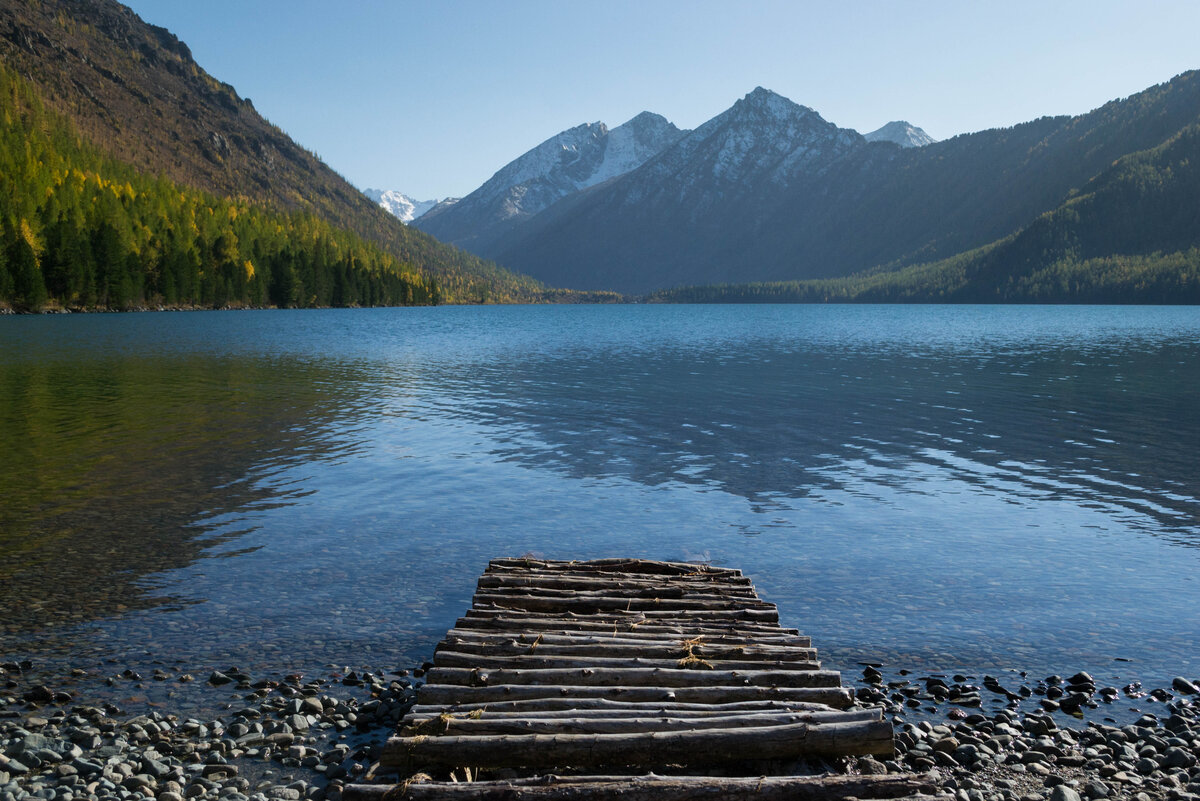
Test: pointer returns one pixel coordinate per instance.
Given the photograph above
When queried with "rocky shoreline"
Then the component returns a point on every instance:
(1044, 744)
(283, 740)
(288, 739)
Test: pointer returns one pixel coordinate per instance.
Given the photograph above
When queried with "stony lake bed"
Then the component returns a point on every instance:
(957, 503)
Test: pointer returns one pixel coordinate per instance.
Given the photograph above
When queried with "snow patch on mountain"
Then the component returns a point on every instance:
(764, 137)
(566, 163)
(401, 205)
(570, 161)
(902, 133)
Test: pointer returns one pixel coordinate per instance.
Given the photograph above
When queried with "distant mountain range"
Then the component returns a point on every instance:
(769, 191)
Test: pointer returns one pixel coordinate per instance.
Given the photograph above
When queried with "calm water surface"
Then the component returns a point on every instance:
(964, 488)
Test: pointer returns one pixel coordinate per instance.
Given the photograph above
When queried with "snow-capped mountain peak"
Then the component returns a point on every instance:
(572, 160)
(566, 163)
(399, 204)
(764, 135)
(902, 133)
(764, 102)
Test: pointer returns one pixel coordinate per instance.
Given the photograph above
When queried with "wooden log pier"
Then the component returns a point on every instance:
(632, 679)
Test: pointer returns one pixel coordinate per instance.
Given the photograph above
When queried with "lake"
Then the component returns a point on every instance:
(939, 487)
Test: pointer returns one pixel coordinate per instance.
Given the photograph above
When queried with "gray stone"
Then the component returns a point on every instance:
(866, 765)
(32, 743)
(946, 745)
(966, 754)
(1181, 685)
(1064, 793)
(1176, 757)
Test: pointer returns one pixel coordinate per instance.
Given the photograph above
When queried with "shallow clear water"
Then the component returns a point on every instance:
(958, 487)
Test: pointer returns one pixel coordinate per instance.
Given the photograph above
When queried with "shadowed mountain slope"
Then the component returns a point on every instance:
(134, 90)
(769, 191)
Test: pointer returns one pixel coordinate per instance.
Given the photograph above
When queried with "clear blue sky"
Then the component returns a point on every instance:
(432, 97)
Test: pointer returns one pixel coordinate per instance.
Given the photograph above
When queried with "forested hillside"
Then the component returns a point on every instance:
(133, 91)
(1131, 235)
(79, 229)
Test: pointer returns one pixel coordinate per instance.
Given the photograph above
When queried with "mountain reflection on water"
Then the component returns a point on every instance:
(114, 462)
(1110, 426)
(967, 486)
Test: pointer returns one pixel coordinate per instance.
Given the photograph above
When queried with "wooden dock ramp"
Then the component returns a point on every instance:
(631, 679)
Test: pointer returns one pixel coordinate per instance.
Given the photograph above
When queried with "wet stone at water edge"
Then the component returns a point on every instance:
(1039, 740)
(285, 740)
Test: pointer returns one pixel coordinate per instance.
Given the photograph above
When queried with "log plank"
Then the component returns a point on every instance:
(837, 697)
(659, 788)
(642, 627)
(726, 640)
(601, 703)
(588, 724)
(707, 746)
(617, 565)
(632, 677)
(544, 659)
(813, 712)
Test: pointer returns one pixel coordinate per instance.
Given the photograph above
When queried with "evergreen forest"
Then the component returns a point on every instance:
(79, 230)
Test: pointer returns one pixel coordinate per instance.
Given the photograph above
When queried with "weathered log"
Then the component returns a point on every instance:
(615, 565)
(716, 595)
(620, 616)
(592, 604)
(634, 677)
(644, 628)
(543, 660)
(660, 788)
(608, 650)
(665, 788)
(798, 647)
(441, 725)
(707, 746)
(837, 697)
(813, 712)
(563, 581)
(609, 589)
(762, 613)
(602, 704)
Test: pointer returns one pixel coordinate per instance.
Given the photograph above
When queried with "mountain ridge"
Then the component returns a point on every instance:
(1131, 235)
(134, 90)
(568, 162)
(845, 207)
